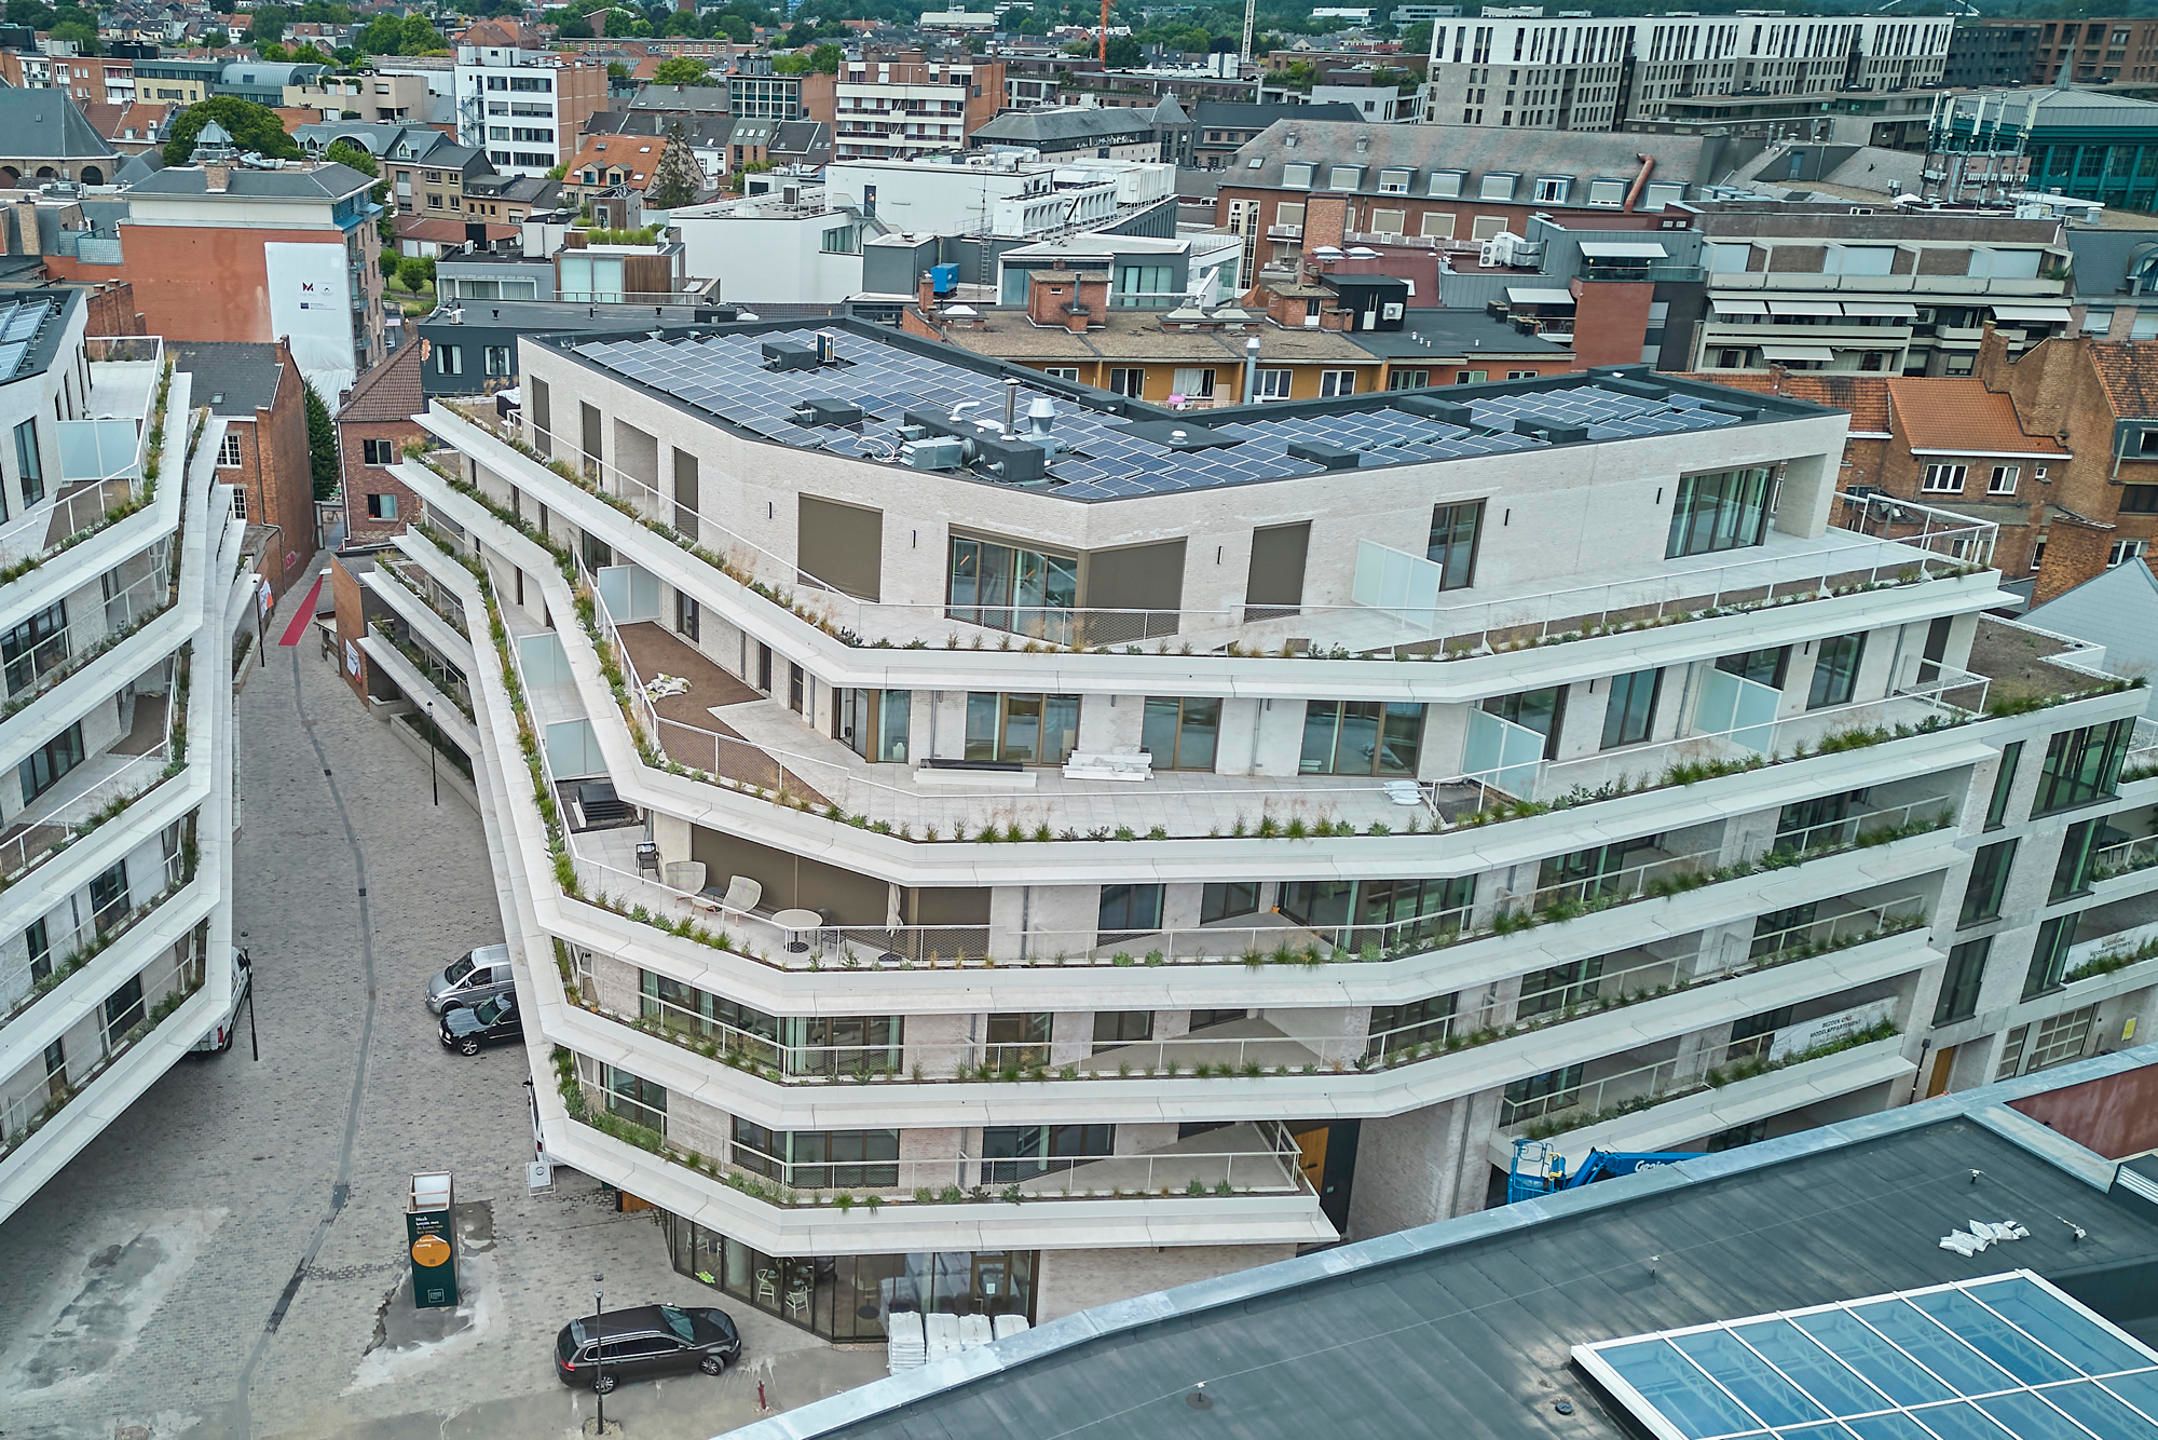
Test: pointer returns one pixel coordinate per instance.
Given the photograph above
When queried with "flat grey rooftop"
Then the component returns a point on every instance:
(1464, 1329)
(1108, 448)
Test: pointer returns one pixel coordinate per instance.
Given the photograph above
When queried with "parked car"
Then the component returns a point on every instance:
(601, 1350)
(472, 977)
(218, 1037)
(467, 1029)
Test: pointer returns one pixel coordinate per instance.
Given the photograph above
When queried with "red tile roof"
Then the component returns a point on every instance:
(1960, 413)
(2128, 372)
(390, 391)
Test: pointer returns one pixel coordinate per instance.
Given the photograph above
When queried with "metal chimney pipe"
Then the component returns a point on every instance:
(1011, 405)
(1251, 371)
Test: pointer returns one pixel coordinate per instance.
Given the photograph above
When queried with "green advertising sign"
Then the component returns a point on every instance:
(433, 1247)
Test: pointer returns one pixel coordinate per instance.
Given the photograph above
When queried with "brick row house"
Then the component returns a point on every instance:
(373, 426)
(259, 393)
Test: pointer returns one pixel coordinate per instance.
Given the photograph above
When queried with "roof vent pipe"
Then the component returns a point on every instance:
(1251, 370)
(1011, 405)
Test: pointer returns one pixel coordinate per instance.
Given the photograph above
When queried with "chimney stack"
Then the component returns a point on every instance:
(216, 176)
(925, 295)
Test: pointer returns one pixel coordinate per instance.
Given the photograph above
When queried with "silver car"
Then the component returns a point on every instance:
(474, 976)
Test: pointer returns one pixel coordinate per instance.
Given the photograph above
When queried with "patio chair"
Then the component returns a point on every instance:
(797, 1297)
(648, 858)
(685, 875)
(742, 894)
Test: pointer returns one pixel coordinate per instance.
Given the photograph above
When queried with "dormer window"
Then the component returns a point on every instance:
(1296, 177)
(1498, 186)
(1344, 177)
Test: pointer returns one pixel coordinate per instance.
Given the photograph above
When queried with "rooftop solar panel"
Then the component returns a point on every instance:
(2006, 1357)
(724, 375)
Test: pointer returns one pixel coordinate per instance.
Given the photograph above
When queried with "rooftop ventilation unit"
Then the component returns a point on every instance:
(789, 355)
(935, 452)
(1318, 452)
(823, 410)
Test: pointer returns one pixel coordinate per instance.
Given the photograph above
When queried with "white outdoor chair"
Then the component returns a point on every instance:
(685, 875)
(742, 894)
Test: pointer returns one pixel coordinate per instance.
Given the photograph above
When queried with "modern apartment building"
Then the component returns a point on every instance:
(2034, 52)
(1604, 74)
(974, 843)
(525, 108)
(123, 587)
(889, 108)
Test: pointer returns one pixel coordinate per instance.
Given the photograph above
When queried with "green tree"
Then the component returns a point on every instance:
(267, 25)
(417, 272)
(321, 446)
(1123, 53)
(824, 60)
(82, 36)
(680, 70)
(352, 153)
(251, 126)
(676, 179)
(794, 62)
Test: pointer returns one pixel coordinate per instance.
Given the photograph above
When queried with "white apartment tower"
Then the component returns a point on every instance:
(1604, 74)
(971, 843)
(120, 592)
(525, 108)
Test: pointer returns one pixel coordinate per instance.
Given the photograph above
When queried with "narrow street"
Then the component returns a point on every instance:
(220, 1261)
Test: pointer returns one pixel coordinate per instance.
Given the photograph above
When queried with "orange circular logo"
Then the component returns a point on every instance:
(431, 1250)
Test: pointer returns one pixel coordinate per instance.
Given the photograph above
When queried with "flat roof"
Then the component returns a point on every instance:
(1107, 447)
(1466, 1329)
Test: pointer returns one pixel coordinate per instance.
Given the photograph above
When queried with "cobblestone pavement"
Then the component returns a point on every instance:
(217, 1263)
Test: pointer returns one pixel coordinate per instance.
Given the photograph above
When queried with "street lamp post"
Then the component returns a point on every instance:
(434, 743)
(599, 1351)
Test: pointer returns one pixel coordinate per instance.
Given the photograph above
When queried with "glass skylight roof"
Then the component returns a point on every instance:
(2007, 1357)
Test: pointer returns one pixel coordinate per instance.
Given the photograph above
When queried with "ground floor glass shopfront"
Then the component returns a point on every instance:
(846, 1297)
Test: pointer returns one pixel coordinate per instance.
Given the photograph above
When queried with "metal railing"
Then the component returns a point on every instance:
(116, 1035)
(1937, 548)
(1630, 882)
(1830, 932)
(98, 930)
(54, 657)
(90, 499)
(2124, 856)
(426, 589)
(1849, 830)
(48, 829)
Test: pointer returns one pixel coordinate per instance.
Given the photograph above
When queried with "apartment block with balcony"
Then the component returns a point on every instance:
(890, 108)
(1829, 286)
(525, 109)
(115, 824)
(973, 843)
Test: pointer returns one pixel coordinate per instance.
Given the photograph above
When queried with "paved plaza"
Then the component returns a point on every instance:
(225, 1259)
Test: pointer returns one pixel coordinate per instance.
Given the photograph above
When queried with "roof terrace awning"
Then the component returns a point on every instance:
(1740, 307)
(1624, 250)
(1819, 353)
(1804, 307)
(2044, 314)
(1882, 309)
(1533, 295)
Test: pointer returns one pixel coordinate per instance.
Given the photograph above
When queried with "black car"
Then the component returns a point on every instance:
(616, 1345)
(468, 1028)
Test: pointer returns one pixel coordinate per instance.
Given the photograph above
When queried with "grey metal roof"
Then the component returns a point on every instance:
(47, 125)
(235, 378)
(1452, 332)
(1110, 448)
(1472, 149)
(1257, 114)
(706, 99)
(1463, 1329)
(2117, 608)
(1077, 124)
(30, 326)
(329, 181)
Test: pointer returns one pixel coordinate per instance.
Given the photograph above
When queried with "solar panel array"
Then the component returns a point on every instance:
(2007, 1357)
(20, 321)
(1097, 455)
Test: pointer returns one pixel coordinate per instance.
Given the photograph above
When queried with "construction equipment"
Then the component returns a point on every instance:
(1540, 1167)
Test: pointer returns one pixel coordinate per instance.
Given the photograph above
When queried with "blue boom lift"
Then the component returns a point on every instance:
(1539, 1168)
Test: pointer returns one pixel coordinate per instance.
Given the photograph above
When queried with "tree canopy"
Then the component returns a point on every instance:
(394, 35)
(251, 126)
(681, 70)
(347, 152)
(677, 178)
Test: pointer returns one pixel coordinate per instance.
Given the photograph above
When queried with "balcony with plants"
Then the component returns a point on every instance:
(1400, 619)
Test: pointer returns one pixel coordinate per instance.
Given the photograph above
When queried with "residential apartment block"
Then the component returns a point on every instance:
(959, 829)
(2038, 52)
(525, 108)
(888, 108)
(1604, 74)
(116, 823)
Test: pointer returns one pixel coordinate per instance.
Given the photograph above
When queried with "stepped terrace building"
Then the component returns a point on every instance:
(120, 592)
(972, 843)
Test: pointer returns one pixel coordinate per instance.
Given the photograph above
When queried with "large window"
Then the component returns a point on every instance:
(1128, 910)
(35, 646)
(2049, 958)
(30, 463)
(1835, 671)
(1395, 1028)
(1630, 712)
(2081, 766)
(1382, 913)
(50, 762)
(1113, 1028)
(1029, 592)
(1017, 1038)
(1022, 729)
(1360, 737)
(1541, 1095)
(1988, 882)
(634, 1098)
(1181, 733)
(739, 1029)
(1221, 900)
(1543, 711)
(1559, 988)
(874, 724)
(819, 1159)
(1452, 542)
(1762, 667)
(1598, 870)
(1721, 510)
(123, 1008)
(1012, 1153)
(1960, 986)
(2004, 781)
(2072, 872)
